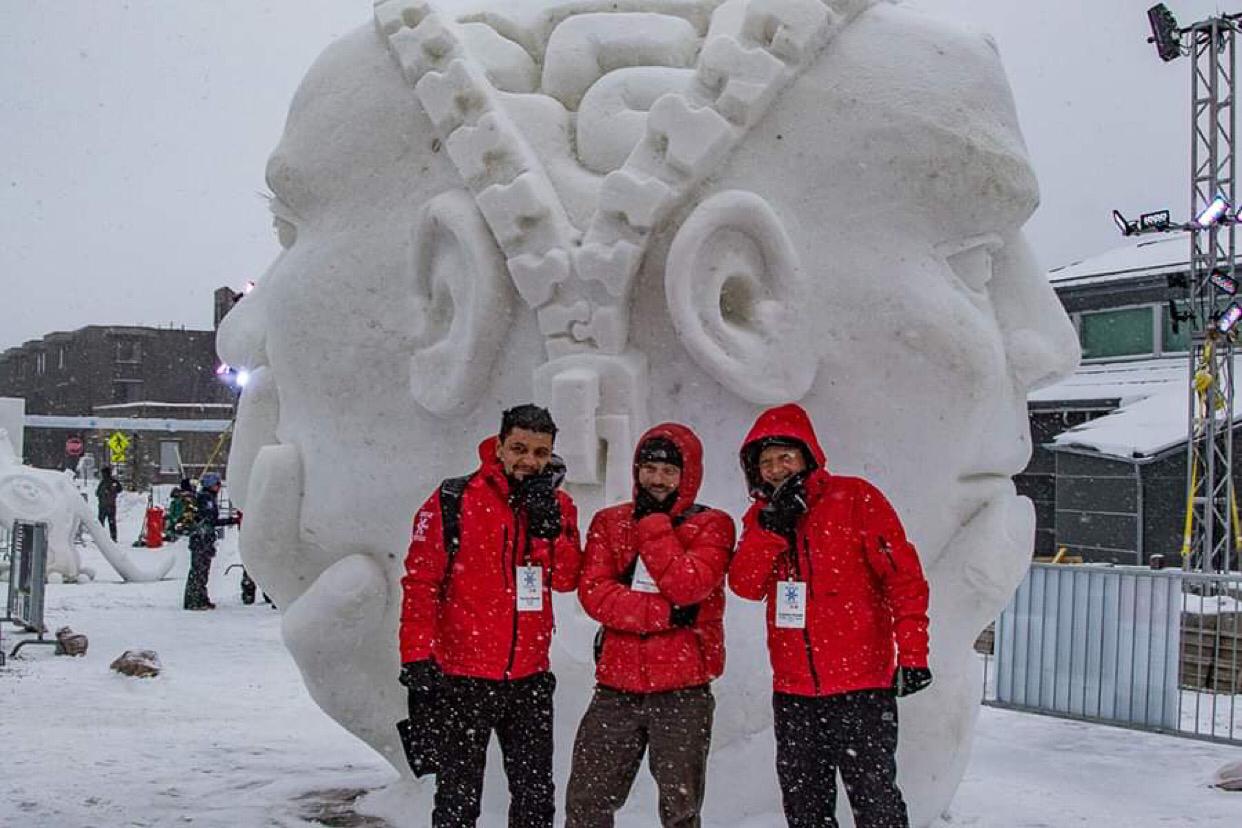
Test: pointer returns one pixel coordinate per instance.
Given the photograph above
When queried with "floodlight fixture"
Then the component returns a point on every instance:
(1223, 280)
(222, 369)
(242, 378)
(1214, 212)
(1164, 32)
(1156, 222)
(249, 287)
(1127, 227)
(1229, 318)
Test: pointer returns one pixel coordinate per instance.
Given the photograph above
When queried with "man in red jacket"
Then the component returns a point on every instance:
(653, 577)
(847, 622)
(476, 623)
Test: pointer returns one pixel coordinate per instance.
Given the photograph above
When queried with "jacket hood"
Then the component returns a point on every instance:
(489, 464)
(789, 421)
(691, 458)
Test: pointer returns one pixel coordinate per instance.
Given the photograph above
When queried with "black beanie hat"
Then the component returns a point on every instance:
(659, 450)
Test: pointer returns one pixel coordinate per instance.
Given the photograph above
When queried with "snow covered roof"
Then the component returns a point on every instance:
(1125, 381)
(1151, 418)
(1144, 258)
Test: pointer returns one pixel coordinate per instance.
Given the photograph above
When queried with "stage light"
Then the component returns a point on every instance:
(1164, 32)
(1127, 227)
(1229, 318)
(1223, 281)
(243, 378)
(1156, 222)
(222, 369)
(249, 287)
(1213, 213)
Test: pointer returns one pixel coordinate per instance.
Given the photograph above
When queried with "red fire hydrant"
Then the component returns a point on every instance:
(155, 527)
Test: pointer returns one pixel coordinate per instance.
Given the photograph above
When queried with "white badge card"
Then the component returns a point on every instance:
(643, 582)
(791, 605)
(529, 588)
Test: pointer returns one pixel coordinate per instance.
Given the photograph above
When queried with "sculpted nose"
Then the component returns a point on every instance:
(1040, 342)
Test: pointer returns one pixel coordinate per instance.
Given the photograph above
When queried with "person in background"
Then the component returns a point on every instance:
(106, 492)
(203, 542)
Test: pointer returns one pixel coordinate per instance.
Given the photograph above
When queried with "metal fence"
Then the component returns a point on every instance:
(1130, 646)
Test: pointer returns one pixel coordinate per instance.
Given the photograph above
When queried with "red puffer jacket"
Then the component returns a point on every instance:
(686, 552)
(866, 595)
(468, 618)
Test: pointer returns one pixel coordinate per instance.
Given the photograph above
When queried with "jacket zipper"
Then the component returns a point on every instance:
(806, 627)
(511, 557)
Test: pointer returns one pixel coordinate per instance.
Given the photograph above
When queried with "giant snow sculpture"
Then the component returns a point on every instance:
(636, 211)
(42, 495)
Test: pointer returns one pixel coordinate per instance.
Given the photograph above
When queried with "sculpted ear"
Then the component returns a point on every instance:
(463, 298)
(737, 296)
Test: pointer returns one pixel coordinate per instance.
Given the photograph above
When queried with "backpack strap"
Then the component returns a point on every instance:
(451, 492)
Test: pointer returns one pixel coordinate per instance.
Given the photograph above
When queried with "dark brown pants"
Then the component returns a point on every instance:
(675, 727)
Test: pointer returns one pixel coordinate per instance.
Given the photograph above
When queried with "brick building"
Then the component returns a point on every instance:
(157, 386)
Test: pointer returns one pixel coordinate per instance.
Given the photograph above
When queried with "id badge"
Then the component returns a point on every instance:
(643, 582)
(529, 588)
(791, 605)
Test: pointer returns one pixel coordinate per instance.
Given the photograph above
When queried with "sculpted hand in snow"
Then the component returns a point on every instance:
(639, 211)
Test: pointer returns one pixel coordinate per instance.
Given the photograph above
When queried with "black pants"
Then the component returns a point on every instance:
(107, 517)
(673, 728)
(855, 733)
(521, 714)
(196, 580)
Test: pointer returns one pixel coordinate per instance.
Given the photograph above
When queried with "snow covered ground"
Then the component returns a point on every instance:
(227, 735)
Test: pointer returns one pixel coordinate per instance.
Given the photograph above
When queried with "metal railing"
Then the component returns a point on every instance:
(1158, 650)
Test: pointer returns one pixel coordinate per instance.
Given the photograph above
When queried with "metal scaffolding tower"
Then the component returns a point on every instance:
(1212, 536)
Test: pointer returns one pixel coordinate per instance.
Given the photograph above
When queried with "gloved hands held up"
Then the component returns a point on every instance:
(787, 504)
(645, 503)
(537, 495)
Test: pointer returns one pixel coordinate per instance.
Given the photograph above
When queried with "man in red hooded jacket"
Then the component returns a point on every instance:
(476, 627)
(847, 622)
(654, 578)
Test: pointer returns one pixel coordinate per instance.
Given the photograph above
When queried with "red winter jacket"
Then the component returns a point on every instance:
(687, 555)
(468, 618)
(866, 595)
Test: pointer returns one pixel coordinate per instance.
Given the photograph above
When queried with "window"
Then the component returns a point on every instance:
(124, 391)
(40, 363)
(128, 350)
(60, 358)
(170, 457)
(1170, 342)
(1113, 333)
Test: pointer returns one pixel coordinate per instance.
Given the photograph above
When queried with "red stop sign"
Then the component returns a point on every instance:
(73, 446)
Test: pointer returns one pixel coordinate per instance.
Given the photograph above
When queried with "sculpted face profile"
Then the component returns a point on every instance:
(635, 211)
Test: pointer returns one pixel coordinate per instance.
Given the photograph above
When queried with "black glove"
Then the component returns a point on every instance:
(787, 505)
(645, 503)
(538, 498)
(684, 616)
(422, 678)
(910, 680)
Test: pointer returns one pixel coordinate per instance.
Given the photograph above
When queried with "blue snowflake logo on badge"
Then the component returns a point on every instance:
(791, 594)
(528, 579)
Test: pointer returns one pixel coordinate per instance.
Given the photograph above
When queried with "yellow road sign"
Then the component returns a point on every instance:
(118, 446)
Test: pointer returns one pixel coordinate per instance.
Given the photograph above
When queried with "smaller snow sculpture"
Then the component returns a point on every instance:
(31, 494)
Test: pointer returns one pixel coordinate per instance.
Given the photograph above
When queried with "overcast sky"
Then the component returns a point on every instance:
(133, 137)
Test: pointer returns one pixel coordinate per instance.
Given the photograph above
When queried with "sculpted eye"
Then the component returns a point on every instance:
(970, 260)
